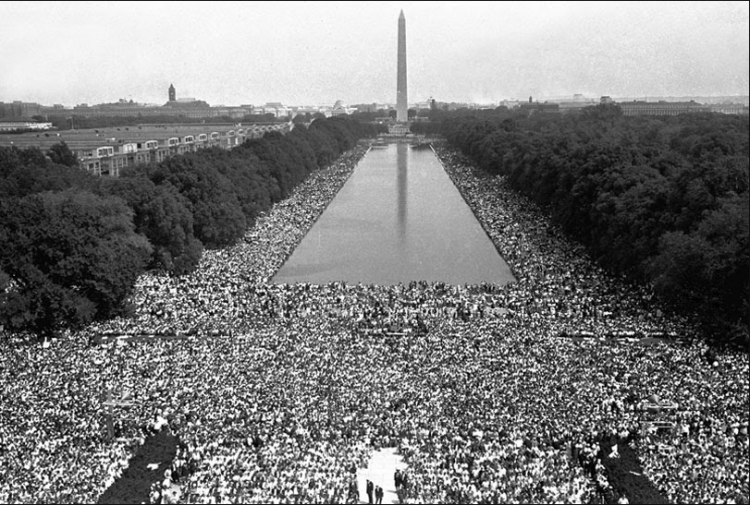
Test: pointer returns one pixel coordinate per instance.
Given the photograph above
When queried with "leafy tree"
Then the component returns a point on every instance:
(27, 171)
(663, 200)
(161, 214)
(301, 118)
(71, 257)
(323, 145)
(217, 217)
(709, 269)
(62, 155)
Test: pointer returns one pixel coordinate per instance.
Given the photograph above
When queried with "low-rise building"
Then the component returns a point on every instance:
(107, 151)
(534, 107)
(23, 125)
(661, 108)
(575, 106)
(730, 108)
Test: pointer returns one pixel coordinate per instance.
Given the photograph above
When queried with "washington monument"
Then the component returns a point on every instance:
(402, 114)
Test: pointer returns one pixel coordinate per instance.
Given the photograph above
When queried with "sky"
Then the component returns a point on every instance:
(314, 53)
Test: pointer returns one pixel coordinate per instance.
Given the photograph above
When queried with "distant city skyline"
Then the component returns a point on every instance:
(316, 53)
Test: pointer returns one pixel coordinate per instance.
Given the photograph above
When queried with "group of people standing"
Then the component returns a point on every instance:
(374, 493)
(265, 389)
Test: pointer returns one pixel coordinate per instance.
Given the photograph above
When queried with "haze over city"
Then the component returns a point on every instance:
(310, 52)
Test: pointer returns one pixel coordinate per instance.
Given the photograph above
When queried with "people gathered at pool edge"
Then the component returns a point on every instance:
(279, 393)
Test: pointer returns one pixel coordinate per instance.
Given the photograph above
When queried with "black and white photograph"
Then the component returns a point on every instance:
(374, 252)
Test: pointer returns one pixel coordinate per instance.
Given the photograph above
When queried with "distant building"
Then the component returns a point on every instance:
(309, 109)
(730, 108)
(533, 107)
(511, 104)
(571, 104)
(19, 110)
(340, 109)
(605, 100)
(661, 108)
(184, 107)
(277, 109)
(105, 151)
(575, 106)
(23, 125)
(367, 107)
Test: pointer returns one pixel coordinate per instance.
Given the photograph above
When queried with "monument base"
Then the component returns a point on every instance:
(399, 129)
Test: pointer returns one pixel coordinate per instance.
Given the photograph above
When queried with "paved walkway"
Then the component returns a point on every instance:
(383, 465)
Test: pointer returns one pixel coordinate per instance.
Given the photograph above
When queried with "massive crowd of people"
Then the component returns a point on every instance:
(280, 392)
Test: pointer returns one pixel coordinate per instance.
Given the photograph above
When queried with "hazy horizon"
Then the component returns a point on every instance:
(319, 52)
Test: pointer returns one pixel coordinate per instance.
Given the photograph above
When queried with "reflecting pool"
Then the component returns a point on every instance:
(398, 218)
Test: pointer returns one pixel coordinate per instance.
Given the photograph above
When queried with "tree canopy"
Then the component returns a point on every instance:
(663, 200)
(74, 244)
(70, 257)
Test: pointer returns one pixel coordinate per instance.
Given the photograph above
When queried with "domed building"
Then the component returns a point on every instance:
(340, 108)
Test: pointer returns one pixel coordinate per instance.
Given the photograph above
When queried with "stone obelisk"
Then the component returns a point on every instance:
(402, 114)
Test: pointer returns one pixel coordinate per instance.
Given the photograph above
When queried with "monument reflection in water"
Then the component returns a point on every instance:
(397, 219)
(402, 165)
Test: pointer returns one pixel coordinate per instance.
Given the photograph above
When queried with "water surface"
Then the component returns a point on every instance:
(398, 218)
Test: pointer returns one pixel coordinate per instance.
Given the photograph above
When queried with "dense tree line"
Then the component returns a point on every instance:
(68, 257)
(663, 200)
(72, 244)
